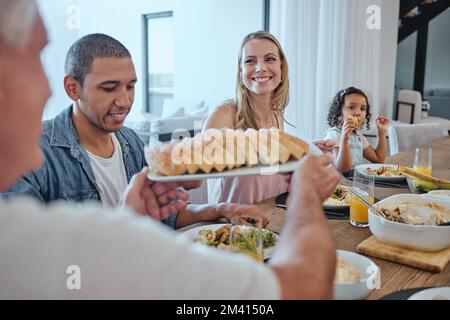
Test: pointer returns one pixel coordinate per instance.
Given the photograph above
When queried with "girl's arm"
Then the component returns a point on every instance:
(379, 154)
(343, 156)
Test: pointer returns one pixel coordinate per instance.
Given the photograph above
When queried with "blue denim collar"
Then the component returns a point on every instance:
(63, 134)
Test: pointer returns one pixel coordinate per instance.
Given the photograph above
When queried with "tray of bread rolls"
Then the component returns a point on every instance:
(216, 153)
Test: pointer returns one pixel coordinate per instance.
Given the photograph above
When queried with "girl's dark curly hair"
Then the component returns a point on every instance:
(338, 102)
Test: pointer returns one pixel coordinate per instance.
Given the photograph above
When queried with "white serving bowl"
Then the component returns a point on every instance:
(369, 273)
(419, 237)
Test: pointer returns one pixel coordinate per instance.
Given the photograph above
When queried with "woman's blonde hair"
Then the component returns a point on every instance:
(244, 102)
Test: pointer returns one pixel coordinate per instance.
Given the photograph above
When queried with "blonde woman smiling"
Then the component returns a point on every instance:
(262, 95)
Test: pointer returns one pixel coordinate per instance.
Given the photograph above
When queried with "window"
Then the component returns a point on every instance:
(190, 51)
(159, 58)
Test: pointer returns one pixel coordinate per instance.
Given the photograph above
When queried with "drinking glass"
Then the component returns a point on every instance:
(247, 237)
(423, 161)
(364, 185)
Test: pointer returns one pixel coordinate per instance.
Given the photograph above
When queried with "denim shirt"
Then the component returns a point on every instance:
(67, 173)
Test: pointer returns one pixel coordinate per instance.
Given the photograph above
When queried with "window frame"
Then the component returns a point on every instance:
(145, 47)
(145, 52)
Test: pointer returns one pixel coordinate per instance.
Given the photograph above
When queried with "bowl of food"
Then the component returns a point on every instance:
(421, 186)
(356, 276)
(412, 221)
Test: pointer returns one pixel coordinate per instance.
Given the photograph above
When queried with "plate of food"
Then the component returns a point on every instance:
(340, 199)
(440, 293)
(443, 195)
(218, 236)
(227, 153)
(381, 172)
(422, 186)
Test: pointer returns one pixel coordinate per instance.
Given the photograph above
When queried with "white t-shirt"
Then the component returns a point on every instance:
(120, 256)
(110, 175)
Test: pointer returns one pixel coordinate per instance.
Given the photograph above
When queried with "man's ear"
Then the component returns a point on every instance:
(72, 88)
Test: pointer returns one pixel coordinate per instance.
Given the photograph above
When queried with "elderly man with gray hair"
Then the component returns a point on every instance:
(121, 254)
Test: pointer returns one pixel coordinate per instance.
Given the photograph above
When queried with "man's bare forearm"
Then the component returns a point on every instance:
(194, 213)
(308, 245)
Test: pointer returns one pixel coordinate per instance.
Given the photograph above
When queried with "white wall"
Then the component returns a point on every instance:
(208, 34)
(60, 39)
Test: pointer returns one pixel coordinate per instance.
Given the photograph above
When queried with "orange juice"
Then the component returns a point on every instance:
(423, 169)
(358, 210)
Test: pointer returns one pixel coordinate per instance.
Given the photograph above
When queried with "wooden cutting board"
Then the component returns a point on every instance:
(428, 261)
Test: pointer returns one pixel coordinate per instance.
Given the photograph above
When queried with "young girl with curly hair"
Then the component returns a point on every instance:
(349, 111)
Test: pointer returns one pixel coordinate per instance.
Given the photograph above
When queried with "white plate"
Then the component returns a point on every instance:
(362, 168)
(192, 234)
(253, 171)
(443, 195)
(432, 294)
(337, 206)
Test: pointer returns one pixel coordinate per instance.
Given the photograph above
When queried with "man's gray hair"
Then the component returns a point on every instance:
(16, 20)
(82, 53)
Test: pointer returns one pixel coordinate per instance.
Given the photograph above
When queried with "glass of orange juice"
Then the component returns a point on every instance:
(364, 185)
(423, 161)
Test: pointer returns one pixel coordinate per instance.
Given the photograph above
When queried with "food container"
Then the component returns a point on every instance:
(369, 277)
(419, 237)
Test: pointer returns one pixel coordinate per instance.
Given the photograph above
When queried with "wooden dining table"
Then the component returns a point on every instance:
(394, 276)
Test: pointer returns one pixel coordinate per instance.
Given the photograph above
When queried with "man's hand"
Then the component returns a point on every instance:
(193, 184)
(155, 199)
(326, 146)
(246, 214)
(382, 124)
(314, 178)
